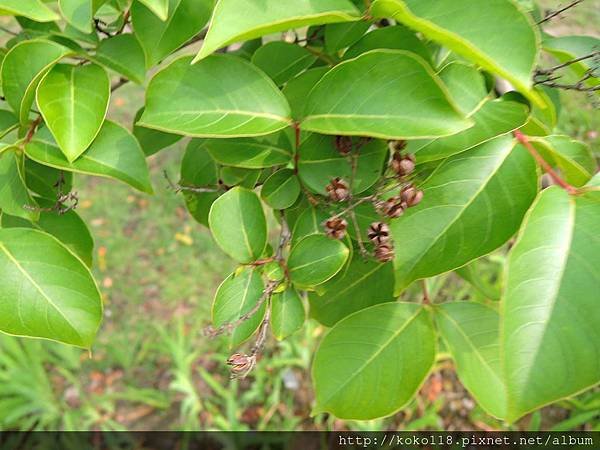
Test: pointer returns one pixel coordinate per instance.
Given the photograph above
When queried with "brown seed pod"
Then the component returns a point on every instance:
(384, 253)
(241, 364)
(379, 233)
(343, 144)
(411, 195)
(338, 190)
(403, 165)
(336, 227)
(393, 207)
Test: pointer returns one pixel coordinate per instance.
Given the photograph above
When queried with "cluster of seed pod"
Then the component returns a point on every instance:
(338, 190)
(241, 364)
(395, 206)
(335, 227)
(379, 235)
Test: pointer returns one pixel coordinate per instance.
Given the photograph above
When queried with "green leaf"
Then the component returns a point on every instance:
(124, 55)
(68, 228)
(250, 153)
(473, 203)
(78, 13)
(342, 35)
(43, 179)
(238, 224)
(223, 96)
(23, 67)
(8, 122)
(319, 162)
(473, 274)
(550, 332)
(239, 295)
(466, 85)
(33, 9)
(372, 363)
(394, 38)
(287, 313)
(389, 94)
(282, 61)
(242, 20)
(73, 101)
(316, 259)
(471, 333)
(567, 48)
(309, 222)
(466, 28)
(160, 37)
(574, 158)
(159, 7)
(115, 153)
(365, 283)
(47, 291)
(297, 89)
(14, 196)
(152, 141)
(281, 190)
(495, 118)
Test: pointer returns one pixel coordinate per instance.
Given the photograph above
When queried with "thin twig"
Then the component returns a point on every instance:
(551, 70)
(181, 188)
(552, 14)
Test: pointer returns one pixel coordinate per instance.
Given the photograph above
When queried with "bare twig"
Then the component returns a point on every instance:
(551, 70)
(195, 189)
(553, 13)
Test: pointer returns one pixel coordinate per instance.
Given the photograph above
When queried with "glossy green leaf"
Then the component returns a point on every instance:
(542, 121)
(281, 190)
(341, 35)
(238, 224)
(68, 228)
(310, 221)
(399, 98)
(32, 9)
(46, 291)
(320, 162)
(316, 259)
(14, 196)
(474, 274)
(371, 363)
(250, 153)
(73, 101)
(8, 122)
(159, 37)
(466, 85)
(365, 283)
(124, 55)
(473, 203)
(466, 28)
(574, 158)
(238, 295)
(152, 141)
(394, 38)
(287, 313)
(297, 89)
(22, 69)
(159, 7)
(550, 332)
(282, 61)
(495, 118)
(471, 333)
(115, 153)
(79, 13)
(223, 96)
(242, 20)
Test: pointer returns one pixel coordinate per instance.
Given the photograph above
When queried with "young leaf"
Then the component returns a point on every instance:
(23, 67)
(389, 94)
(371, 363)
(250, 153)
(466, 28)
(281, 190)
(223, 96)
(238, 224)
(32, 9)
(495, 118)
(287, 313)
(365, 283)
(242, 20)
(316, 259)
(73, 101)
(550, 331)
(473, 203)
(238, 295)
(282, 61)
(115, 153)
(123, 54)
(159, 37)
(78, 13)
(51, 289)
(14, 196)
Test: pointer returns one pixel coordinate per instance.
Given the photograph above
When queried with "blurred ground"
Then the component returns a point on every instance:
(153, 369)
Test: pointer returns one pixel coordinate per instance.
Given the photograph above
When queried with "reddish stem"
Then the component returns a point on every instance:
(542, 162)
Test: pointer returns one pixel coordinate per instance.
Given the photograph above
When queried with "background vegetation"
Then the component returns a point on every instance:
(152, 368)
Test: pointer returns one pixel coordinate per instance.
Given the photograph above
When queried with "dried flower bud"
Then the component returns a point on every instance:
(343, 144)
(393, 207)
(397, 146)
(403, 164)
(338, 190)
(384, 253)
(241, 364)
(411, 195)
(379, 233)
(336, 227)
